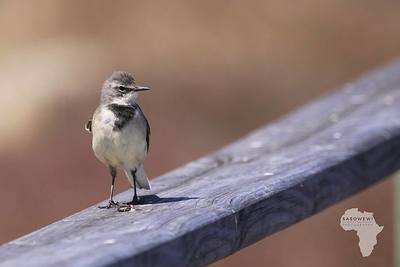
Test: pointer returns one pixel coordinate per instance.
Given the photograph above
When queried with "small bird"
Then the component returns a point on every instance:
(121, 132)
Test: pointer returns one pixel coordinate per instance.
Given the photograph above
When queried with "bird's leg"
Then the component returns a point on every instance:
(135, 199)
(111, 202)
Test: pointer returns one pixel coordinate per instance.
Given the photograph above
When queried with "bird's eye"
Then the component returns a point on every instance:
(123, 89)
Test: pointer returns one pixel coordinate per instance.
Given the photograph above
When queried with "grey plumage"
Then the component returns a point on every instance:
(120, 130)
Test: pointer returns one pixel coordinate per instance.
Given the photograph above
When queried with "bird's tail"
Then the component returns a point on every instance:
(141, 178)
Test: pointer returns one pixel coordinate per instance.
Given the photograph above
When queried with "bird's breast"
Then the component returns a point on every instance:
(119, 147)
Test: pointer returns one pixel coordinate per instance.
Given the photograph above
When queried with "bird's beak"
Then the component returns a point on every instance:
(140, 88)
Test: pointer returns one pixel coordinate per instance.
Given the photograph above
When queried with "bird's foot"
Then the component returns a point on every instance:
(128, 206)
(133, 202)
(111, 204)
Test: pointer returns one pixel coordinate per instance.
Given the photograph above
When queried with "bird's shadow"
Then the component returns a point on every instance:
(154, 199)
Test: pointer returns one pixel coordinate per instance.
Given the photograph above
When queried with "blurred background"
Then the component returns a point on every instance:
(218, 69)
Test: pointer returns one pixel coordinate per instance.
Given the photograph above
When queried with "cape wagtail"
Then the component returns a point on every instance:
(121, 132)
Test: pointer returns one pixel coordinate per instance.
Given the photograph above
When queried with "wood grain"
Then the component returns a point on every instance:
(270, 179)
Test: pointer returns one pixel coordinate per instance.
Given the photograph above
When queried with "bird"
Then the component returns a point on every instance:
(121, 133)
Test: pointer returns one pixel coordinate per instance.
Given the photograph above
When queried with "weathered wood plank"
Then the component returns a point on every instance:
(268, 180)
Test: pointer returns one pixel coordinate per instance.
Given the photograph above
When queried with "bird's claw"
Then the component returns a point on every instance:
(133, 202)
(111, 204)
(125, 208)
(128, 206)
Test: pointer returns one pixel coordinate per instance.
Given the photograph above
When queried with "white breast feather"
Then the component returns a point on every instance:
(124, 149)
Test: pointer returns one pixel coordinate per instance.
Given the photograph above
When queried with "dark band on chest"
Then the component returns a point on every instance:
(123, 115)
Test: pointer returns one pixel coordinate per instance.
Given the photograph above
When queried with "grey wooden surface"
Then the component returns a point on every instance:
(264, 182)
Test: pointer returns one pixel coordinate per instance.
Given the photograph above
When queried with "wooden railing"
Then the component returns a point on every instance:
(270, 179)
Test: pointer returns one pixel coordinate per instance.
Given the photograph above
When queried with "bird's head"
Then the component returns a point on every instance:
(121, 88)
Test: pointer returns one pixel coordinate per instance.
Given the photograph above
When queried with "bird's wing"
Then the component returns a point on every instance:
(88, 126)
(148, 132)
